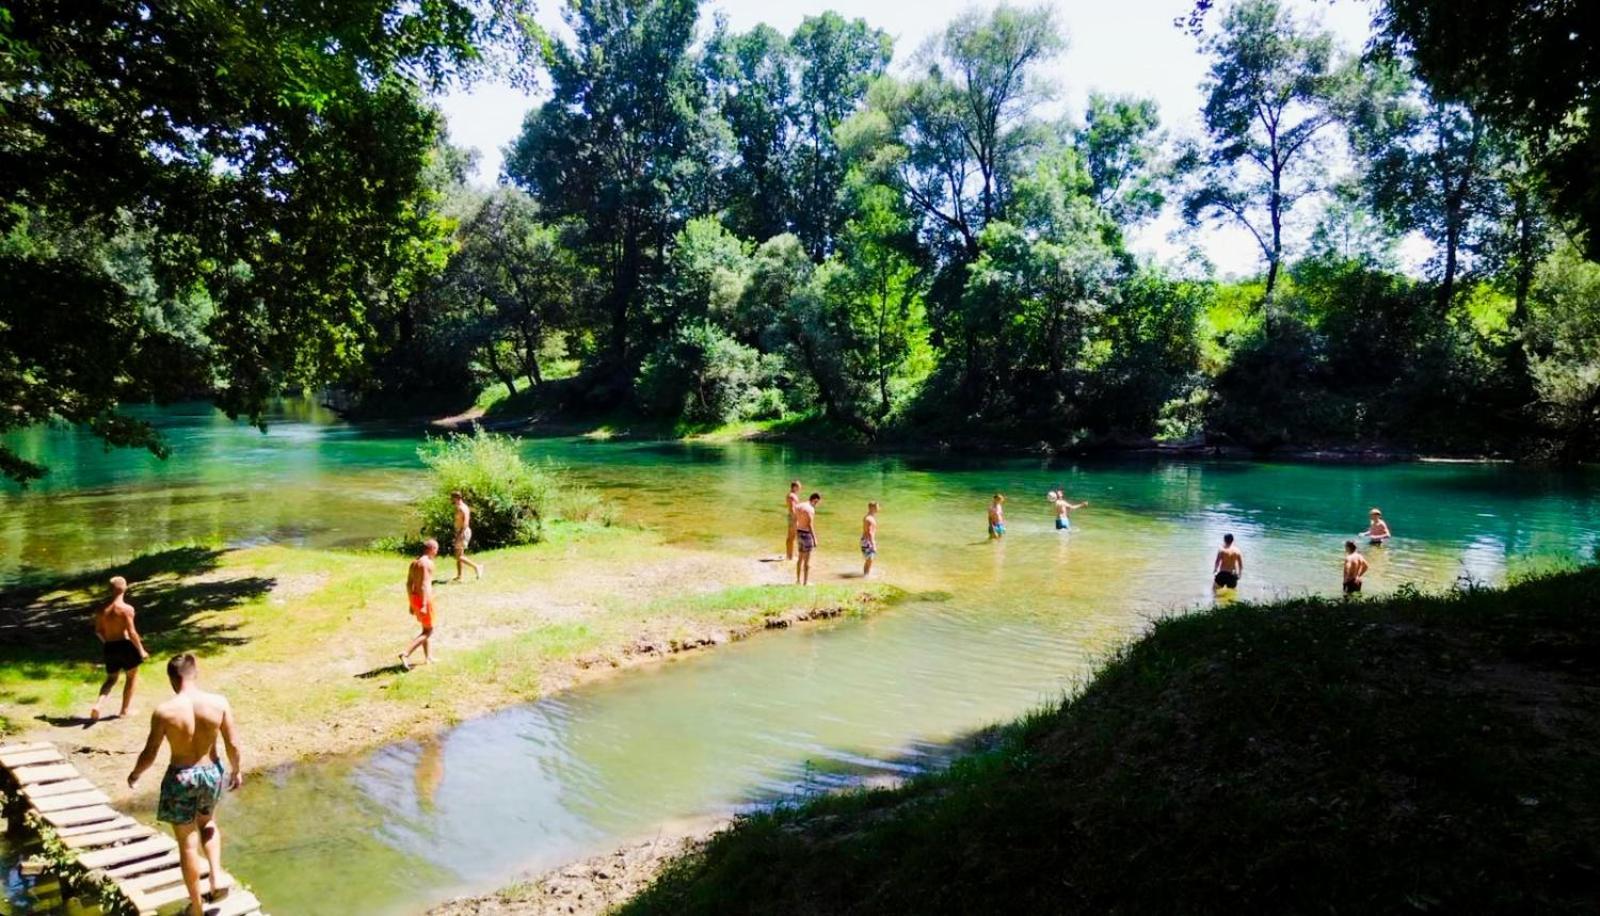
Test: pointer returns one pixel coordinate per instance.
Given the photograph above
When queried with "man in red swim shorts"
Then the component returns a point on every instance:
(419, 589)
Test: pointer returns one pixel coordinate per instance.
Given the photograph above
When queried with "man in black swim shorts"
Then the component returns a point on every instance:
(1229, 565)
(120, 646)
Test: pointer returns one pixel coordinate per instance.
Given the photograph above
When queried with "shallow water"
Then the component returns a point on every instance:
(989, 630)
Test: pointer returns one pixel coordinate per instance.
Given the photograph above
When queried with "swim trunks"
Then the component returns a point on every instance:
(121, 655)
(1226, 579)
(997, 531)
(1351, 586)
(424, 614)
(1378, 542)
(867, 550)
(463, 538)
(1063, 524)
(808, 540)
(188, 792)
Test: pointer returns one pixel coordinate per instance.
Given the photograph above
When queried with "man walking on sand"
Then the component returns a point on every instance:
(1229, 565)
(419, 592)
(791, 504)
(463, 535)
(805, 531)
(869, 539)
(1355, 566)
(120, 647)
(190, 723)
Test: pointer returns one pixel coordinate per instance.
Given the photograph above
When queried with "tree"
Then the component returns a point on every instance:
(753, 83)
(1427, 165)
(1268, 96)
(270, 153)
(1120, 142)
(620, 148)
(1563, 344)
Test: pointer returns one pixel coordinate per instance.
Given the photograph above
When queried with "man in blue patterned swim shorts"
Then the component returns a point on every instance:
(190, 724)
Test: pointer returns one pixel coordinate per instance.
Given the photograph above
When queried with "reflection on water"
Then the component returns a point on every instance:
(990, 629)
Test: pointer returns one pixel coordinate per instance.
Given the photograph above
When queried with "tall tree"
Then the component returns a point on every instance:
(1268, 106)
(620, 147)
(1120, 143)
(271, 152)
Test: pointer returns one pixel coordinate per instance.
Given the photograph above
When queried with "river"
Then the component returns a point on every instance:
(988, 630)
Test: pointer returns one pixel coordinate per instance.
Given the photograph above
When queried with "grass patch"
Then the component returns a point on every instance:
(1432, 753)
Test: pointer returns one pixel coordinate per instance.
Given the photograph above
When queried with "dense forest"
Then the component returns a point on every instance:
(811, 230)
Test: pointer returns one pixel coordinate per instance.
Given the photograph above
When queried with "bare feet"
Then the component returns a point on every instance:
(480, 572)
(220, 889)
(405, 662)
(94, 714)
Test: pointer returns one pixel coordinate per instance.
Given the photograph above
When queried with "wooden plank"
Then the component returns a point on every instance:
(77, 817)
(71, 800)
(170, 890)
(29, 758)
(239, 902)
(154, 881)
(162, 862)
(17, 748)
(120, 820)
(47, 789)
(27, 776)
(113, 856)
(107, 837)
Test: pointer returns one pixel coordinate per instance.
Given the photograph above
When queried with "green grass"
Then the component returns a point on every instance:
(1418, 753)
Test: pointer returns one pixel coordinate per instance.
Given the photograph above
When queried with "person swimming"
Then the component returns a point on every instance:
(997, 518)
(1378, 532)
(1064, 509)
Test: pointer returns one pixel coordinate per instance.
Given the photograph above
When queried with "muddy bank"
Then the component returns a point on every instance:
(589, 887)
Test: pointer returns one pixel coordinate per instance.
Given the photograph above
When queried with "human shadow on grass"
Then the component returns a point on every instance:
(381, 670)
(50, 620)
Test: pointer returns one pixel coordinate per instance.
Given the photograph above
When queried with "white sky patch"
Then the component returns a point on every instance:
(1122, 47)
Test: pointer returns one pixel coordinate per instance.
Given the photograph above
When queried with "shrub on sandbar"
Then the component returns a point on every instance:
(511, 498)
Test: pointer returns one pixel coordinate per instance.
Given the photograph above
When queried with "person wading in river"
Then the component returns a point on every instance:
(463, 536)
(791, 503)
(419, 592)
(1355, 566)
(805, 531)
(1064, 509)
(1229, 565)
(1378, 532)
(869, 539)
(997, 518)
(121, 647)
(190, 724)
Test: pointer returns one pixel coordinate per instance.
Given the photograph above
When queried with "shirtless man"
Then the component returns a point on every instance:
(463, 535)
(791, 504)
(121, 647)
(190, 723)
(997, 518)
(1355, 566)
(419, 591)
(805, 532)
(1229, 565)
(1377, 529)
(1064, 509)
(869, 539)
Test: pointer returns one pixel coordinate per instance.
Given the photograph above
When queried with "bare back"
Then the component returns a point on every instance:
(463, 516)
(420, 576)
(114, 621)
(1229, 559)
(191, 723)
(804, 514)
(1355, 566)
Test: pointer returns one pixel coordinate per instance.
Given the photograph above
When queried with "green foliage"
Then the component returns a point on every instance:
(1563, 348)
(269, 155)
(706, 377)
(511, 499)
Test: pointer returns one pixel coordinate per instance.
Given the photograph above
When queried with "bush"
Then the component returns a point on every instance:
(511, 499)
(702, 375)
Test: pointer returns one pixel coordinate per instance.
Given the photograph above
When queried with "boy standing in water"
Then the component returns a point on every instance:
(1064, 509)
(463, 535)
(791, 505)
(121, 647)
(419, 592)
(997, 518)
(1377, 529)
(190, 723)
(1355, 566)
(805, 531)
(869, 538)
(1228, 566)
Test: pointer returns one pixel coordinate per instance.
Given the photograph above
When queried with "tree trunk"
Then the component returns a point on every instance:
(504, 375)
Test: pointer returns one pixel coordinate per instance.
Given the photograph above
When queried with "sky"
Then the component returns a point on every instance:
(1113, 46)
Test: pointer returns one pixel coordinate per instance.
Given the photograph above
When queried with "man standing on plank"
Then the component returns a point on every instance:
(419, 592)
(121, 647)
(190, 723)
(805, 531)
(463, 535)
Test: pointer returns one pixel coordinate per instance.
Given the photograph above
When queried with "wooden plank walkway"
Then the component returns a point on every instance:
(140, 861)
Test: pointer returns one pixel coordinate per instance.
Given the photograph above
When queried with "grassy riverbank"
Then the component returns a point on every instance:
(1413, 753)
(304, 641)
